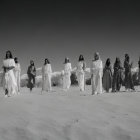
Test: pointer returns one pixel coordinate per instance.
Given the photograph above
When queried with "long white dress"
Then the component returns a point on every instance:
(10, 80)
(46, 77)
(66, 76)
(17, 72)
(96, 70)
(81, 75)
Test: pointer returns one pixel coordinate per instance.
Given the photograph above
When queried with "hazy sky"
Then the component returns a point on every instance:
(54, 30)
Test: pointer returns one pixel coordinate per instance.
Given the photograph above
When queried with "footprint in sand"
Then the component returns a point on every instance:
(120, 134)
(67, 128)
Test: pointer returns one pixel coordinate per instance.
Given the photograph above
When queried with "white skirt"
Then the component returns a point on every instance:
(10, 82)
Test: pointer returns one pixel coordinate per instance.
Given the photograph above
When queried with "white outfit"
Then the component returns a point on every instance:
(96, 70)
(66, 76)
(17, 72)
(10, 80)
(81, 75)
(46, 77)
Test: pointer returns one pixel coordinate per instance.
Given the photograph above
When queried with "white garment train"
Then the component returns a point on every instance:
(17, 72)
(66, 76)
(46, 77)
(10, 80)
(96, 70)
(81, 75)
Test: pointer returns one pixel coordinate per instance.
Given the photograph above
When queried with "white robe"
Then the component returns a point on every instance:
(81, 75)
(17, 72)
(96, 70)
(66, 76)
(46, 77)
(10, 80)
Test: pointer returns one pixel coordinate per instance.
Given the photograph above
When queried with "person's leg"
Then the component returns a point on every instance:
(33, 80)
(29, 82)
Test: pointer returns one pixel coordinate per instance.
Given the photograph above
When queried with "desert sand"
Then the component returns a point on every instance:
(71, 115)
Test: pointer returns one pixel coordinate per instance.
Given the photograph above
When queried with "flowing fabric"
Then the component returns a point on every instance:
(96, 70)
(117, 77)
(81, 75)
(46, 77)
(139, 75)
(10, 81)
(128, 76)
(107, 78)
(17, 72)
(139, 72)
(66, 76)
(31, 76)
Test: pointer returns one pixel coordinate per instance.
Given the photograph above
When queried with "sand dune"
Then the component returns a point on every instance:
(70, 116)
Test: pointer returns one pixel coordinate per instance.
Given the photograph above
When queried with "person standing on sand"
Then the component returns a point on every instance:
(128, 75)
(139, 70)
(96, 70)
(17, 71)
(67, 74)
(31, 72)
(46, 76)
(107, 76)
(81, 66)
(117, 76)
(10, 85)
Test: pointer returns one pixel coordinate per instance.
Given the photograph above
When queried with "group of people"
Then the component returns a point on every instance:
(114, 77)
(106, 77)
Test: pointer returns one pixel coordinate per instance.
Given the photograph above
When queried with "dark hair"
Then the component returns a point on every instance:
(81, 58)
(66, 60)
(117, 62)
(127, 58)
(108, 62)
(7, 54)
(16, 60)
(126, 55)
(46, 61)
(31, 61)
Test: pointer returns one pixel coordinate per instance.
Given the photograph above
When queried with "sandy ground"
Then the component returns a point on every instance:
(70, 116)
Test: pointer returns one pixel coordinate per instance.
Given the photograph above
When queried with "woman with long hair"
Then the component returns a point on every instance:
(10, 84)
(128, 75)
(96, 70)
(17, 71)
(67, 74)
(107, 76)
(117, 76)
(139, 70)
(31, 72)
(81, 66)
(46, 76)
